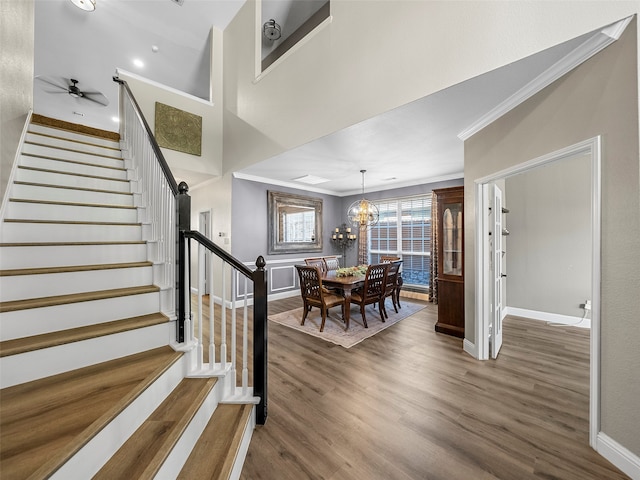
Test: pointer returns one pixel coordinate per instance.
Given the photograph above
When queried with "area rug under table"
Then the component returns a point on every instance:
(334, 330)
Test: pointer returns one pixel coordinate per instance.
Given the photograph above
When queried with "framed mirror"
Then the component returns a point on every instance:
(295, 223)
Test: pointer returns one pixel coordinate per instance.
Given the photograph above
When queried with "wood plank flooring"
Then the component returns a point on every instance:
(408, 403)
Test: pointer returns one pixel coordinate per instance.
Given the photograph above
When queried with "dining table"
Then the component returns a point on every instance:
(346, 284)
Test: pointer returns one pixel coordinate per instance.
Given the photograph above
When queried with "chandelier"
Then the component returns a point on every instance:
(362, 213)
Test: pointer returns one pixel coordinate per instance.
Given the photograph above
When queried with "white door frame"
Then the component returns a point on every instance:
(589, 147)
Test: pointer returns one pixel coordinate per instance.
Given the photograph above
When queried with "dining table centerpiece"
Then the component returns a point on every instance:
(351, 271)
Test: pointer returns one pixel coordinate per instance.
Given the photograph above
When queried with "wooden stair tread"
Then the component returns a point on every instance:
(45, 422)
(75, 174)
(45, 135)
(63, 337)
(69, 222)
(65, 149)
(72, 204)
(15, 305)
(72, 268)
(70, 187)
(38, 119)
(214, 454)
(72, 244)
(142, 455)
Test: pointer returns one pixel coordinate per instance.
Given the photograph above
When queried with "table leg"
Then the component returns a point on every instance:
(347, 309)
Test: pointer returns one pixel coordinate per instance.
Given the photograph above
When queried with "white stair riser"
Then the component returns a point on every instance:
(52, 232)
(82, 146)
(88, 461)
(65, 180)
(75, 168)
(22, 287)
(58, 153)
(66, 134)
(35, 321)
(46, 211)
(63, 255)
(25, 367)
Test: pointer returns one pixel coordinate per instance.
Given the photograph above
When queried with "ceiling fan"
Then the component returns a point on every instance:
(70, 86)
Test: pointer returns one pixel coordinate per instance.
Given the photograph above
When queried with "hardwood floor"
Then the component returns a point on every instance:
(408, 403)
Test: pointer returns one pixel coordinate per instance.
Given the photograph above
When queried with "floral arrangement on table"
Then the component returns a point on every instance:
(351, 271)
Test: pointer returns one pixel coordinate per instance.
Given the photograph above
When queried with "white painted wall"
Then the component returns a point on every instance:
(191, 168)
(16, 79)
(375, 56)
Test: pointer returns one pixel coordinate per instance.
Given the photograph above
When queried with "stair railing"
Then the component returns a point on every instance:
(155, 190)
(165, 210)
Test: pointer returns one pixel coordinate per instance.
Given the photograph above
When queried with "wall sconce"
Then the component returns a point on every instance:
(343, 239)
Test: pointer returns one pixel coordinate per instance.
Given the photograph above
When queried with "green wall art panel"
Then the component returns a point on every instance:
(178, 130)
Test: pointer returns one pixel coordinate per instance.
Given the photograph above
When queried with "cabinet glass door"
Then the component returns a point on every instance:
(452, 239)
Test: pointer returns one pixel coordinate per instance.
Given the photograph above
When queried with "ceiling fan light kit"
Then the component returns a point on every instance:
(70, 85)
(86, 5)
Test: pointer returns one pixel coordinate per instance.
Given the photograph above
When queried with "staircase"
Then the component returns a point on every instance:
(90, 386)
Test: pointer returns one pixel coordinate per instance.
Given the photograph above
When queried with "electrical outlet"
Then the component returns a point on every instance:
(586, 305)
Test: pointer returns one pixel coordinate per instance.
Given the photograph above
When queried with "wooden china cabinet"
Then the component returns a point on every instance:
(449, 249)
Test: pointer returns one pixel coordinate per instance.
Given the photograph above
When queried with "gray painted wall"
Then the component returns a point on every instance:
(549, 246)
(600, 97)
(16, 80)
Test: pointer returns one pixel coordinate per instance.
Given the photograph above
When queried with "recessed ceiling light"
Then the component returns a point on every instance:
(86, 5)
(115, 119)
(311, 179)
(138, 63)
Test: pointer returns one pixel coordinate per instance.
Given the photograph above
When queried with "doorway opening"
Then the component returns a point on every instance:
(485, 259)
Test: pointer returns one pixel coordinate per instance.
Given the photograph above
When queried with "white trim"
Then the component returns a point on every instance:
(379, 188)
(622, 458)
(580, 54)
(555, 318)
(293, 276)
(470, 348)
(14, 167)
(594, 353)
(591, 147)
(163, 87)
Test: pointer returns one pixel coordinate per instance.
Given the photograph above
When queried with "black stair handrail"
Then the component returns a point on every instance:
(258, 276)
(259, 279)
(152, 140)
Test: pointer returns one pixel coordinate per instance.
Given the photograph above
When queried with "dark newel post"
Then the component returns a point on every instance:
(260, 339)
(183, 201)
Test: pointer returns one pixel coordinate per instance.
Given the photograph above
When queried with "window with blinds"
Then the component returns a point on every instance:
(404, 230)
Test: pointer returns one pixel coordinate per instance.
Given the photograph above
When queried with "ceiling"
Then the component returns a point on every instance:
(415, 143)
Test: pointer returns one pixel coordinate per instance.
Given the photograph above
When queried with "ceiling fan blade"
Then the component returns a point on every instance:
(95, 97)
(54, 82)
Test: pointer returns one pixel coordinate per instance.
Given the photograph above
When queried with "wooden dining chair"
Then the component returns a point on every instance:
(393, 275)
(331, 263)
(314, 295)
(373, 291)
(316, 262)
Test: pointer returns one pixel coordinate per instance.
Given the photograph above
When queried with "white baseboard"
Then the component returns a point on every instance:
(549, 317)
(470, 348)
(622, 458)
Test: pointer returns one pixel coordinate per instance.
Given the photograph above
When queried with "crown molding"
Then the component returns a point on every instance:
(580, 54)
